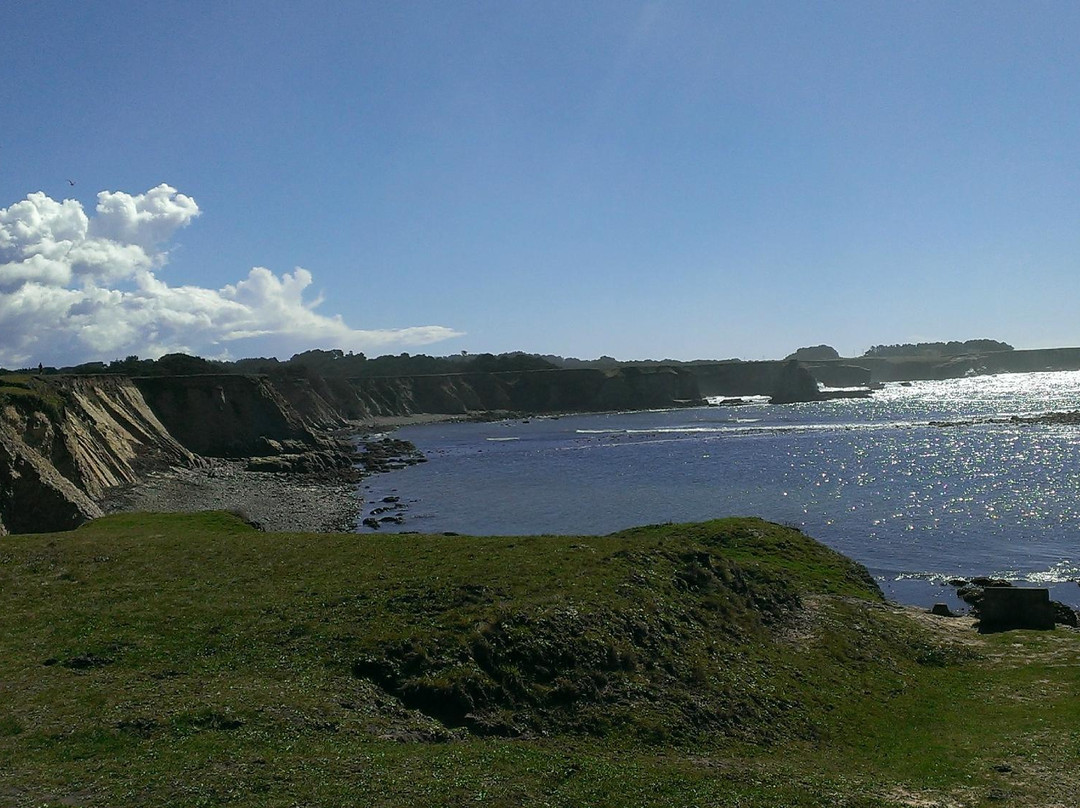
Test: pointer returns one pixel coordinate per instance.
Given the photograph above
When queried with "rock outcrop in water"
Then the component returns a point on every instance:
(796, 384)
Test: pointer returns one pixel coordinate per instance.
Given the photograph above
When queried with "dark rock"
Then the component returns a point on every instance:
(1064, 614)
(269, 464)
(319, 461)
(268, 446)
(388, 454)
(796, 384)
(942, 610)
(1008, 607)
(837, 374)
(970, 594)
(982, 580)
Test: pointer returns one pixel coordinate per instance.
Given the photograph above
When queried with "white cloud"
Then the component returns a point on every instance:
(147, 219)
(75, 289)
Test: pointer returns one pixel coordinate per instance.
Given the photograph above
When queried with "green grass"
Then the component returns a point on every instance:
(30, 393)
(189, 660)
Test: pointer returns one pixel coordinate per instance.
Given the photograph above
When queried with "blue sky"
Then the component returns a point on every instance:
(643, 180)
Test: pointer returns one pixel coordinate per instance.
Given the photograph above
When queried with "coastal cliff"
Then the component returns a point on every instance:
(65, 441)
(224, 415)
(763, 378)
(936, 368)
(539, 391)
(68, 440)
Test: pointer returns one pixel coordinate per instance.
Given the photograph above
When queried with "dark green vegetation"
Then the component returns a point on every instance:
(933, 349)
(336, 363)
(189, 660)
(824, 353)
(331, 364)
(22, 390)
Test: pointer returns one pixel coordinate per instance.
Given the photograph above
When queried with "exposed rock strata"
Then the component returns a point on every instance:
(222, 415)
(78, 438)
(34, 495)
(65, 442)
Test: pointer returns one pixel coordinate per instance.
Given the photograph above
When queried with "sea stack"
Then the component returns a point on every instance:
(796, 384)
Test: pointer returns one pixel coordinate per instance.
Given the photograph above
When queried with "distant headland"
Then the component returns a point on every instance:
(74, 439)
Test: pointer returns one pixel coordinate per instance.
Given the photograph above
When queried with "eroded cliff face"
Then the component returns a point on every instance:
(34, 495)
(538, 391)
(738, 378)
(65, 440)
(916, 368)
(112, 435)
(221, 415)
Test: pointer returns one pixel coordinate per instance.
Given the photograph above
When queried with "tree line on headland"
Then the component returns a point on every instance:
(342, 364)
(952, 348)
(326, 363)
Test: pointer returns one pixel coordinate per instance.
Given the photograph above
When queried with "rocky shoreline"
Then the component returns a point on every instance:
(306, 494)
(1047, 419)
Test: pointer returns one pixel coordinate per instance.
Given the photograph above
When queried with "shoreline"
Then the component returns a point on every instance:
(389, 422)
(287, 500)
(329, 501)
(272, 501)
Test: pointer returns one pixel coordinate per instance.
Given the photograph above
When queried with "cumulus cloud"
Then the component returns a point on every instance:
(76, 288)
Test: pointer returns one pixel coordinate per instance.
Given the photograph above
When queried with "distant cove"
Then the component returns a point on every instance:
(916, 503)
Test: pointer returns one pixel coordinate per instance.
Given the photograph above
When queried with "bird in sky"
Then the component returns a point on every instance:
(71, 182)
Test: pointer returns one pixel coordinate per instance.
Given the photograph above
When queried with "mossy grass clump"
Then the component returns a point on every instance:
(29, 393)
(192, 660)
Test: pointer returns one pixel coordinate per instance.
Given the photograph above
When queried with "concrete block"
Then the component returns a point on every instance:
(1008, 607)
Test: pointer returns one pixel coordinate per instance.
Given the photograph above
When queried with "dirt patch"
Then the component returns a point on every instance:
(959, 629)
(916, 799)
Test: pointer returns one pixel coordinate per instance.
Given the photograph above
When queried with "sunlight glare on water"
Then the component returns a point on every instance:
(873, 478)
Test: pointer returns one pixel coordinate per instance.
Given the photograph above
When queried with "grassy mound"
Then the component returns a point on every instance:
(656, 630)
(190, 660)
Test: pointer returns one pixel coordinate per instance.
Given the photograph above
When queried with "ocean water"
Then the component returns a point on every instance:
(916, 503)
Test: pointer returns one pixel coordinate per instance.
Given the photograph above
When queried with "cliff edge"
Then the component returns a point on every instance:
(65, 440)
